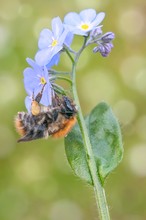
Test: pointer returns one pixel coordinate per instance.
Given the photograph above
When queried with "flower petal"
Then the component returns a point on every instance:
(77, 30)
(33, 64)
(69, 39)
(30, 80)
(72, 18)
(28, 101)
(54, 61)
(57, 27)
(43, 56)
(45, 38)
(88, 15)
(62, 38)
(46, 99)
(46, 76)
(99, 18)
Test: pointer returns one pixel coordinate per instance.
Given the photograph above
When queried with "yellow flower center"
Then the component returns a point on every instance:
(54, 43)
(84, 26)
(43, 81)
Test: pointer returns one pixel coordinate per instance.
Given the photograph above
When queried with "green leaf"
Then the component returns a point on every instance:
(76, 154)
(105, 137)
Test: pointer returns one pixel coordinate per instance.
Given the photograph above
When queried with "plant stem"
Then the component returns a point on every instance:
(61, 78)
(98, 188)
(55, 72)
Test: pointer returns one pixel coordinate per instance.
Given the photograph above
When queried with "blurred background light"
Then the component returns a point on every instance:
(131, 23)
(40, 24)
(9, 89)
(7, 141)
(9, 10)
(125, 111)
(14, 203)
(65, 210)
(100, 85)
(133, 69)
(25, 10)
(31, 169)
(141, 127)
(137, 160)
(5, 37)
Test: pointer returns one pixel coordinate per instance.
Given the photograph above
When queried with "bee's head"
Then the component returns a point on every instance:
(70, 108)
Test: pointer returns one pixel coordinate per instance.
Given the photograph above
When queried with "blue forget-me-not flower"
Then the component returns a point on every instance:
(36, 78)
(51, 42)
(84, 22)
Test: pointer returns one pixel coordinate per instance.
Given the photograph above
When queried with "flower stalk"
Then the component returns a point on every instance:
(98, 188)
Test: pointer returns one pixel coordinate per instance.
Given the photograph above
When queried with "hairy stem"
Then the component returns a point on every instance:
(98, 188)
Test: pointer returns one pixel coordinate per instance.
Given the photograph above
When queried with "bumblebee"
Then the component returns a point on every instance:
(55, 120)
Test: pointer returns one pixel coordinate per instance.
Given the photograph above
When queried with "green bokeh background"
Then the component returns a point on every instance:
(36, 182)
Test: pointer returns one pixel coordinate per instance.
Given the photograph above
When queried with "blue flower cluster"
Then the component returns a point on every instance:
(53, 42)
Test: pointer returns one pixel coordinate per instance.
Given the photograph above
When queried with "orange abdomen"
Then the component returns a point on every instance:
(66, 129)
